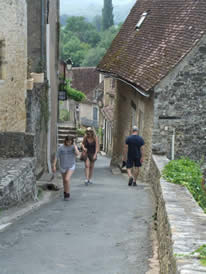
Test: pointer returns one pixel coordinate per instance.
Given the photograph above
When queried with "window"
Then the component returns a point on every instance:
(141, 20)
(95, 113)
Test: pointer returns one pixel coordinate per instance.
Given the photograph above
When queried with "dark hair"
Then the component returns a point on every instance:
(68, 138)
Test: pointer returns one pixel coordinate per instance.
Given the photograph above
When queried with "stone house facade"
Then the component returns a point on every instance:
(43, 45)
(85, 79)
(28, 134)
(106, 114)
(158, 60)
(13, 65)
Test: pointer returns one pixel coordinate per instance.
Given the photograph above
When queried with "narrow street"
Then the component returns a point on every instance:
(103, 229)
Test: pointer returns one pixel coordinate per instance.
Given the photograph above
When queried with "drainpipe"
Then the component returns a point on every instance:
(49, 97)
(173, 145)
(42, 28)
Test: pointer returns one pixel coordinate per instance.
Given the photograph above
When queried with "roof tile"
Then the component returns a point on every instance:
(170, 30)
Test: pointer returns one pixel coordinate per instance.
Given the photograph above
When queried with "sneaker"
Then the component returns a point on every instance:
(130, 181)
(66, 196)
(86, 182)
(134, 184)
(90, 182)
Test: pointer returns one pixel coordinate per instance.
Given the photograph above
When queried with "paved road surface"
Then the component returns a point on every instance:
(103, 229)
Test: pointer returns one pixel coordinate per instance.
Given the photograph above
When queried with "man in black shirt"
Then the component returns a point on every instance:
(134, 146)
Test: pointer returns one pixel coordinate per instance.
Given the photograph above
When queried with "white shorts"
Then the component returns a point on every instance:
(64, 170)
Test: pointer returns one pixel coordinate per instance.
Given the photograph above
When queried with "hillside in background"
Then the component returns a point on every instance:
(90, 8)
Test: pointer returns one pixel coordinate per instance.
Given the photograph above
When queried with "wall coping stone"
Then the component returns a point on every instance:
(186, 222)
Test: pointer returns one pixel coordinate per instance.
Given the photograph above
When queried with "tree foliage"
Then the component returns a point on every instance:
(107, 15)
(83, 43)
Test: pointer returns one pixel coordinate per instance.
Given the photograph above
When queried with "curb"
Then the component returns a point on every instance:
(11, 215)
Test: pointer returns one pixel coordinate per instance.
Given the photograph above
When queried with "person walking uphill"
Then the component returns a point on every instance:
(66, 155)
(90, 145)
(134, 146)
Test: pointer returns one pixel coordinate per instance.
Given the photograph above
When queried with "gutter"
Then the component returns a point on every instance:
(127, 83)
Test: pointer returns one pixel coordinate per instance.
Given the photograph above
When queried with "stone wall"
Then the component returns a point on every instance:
(17, 181)
(43, 44)
(36, 11)
(53, 21)
(13, 41)
(180, 224)
(37, 118)
(132, 108)
(16, 144)
(180, 107)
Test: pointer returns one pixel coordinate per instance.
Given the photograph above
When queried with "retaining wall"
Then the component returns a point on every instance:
(17, 181)
(181, 224)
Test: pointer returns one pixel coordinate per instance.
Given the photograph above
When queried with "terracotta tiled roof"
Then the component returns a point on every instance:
(85, 79)
(171, 29)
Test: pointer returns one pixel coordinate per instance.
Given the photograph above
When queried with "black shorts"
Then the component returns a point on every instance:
(133, 163)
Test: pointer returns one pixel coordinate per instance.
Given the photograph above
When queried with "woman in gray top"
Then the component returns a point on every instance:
(66, 155)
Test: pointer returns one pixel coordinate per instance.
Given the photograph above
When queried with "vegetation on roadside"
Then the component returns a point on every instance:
(187, 173)
(74, 94)
(39, 192)
(81, 132)
(199, 254)
(64, 115)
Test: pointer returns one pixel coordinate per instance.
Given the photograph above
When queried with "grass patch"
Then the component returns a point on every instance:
(187, 173)
(199, 254)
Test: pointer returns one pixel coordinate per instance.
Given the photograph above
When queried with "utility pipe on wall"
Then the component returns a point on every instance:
(42, 28)
(49, 97)
(173, 145)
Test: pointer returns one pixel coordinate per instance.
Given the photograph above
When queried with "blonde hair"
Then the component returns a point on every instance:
(89, 129)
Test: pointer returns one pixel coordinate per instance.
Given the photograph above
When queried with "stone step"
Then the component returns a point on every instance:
(67, 132)
(67, 128)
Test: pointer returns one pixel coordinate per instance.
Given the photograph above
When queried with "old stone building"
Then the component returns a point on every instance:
(42, 103)
(158, 60)
(86, 112)
(28, 133)
(106, 114)
(13, 65)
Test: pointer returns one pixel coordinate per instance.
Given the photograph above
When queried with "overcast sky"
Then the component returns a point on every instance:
(67, 5)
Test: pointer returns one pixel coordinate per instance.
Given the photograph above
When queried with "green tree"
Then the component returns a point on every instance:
(82, 29)
(75, 50)
(107, 15)
(97, 22)
(93, 57)
(107, 37)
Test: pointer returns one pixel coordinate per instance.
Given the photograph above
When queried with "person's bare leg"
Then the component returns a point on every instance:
(129, 172)
(64, 182)
(87, 165)
(91, 169)
(136, 173)
(67, 180)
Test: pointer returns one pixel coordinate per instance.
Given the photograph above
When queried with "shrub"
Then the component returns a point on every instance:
(64, 115)
(187, 173)
(74, 94)
(81, 131)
